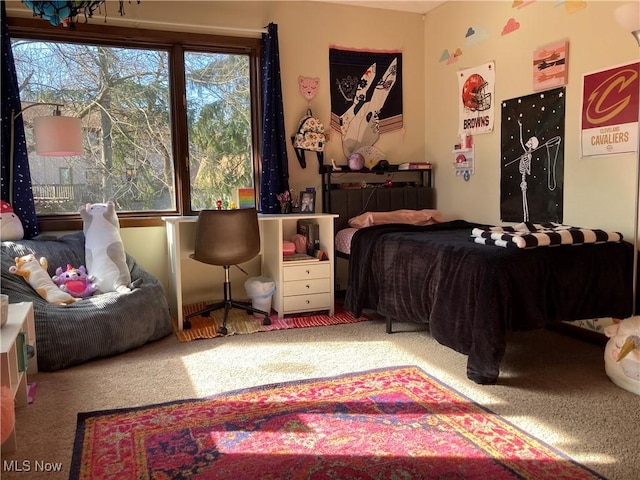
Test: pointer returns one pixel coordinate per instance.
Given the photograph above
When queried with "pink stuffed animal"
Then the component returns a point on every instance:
(75, 281)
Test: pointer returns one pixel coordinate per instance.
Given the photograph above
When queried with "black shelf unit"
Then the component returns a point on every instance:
(424, 176)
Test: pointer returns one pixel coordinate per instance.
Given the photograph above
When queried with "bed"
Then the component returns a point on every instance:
(472, 294)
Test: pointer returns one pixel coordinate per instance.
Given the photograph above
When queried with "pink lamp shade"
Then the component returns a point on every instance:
(58, 136)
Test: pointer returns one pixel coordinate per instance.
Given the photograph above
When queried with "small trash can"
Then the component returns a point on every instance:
(260, 290)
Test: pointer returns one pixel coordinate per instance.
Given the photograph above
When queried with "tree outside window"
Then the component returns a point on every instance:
(126, 97)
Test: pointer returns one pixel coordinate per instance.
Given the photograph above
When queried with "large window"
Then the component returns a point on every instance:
(169, 124)
(219, 122)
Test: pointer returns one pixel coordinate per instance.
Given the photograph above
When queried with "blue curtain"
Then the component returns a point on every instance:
(22, 201)
(275, 165)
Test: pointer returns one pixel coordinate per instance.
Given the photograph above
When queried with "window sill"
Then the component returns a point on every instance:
(74, 222)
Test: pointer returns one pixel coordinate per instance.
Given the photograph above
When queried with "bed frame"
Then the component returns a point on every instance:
(412, 189)
(348, 203)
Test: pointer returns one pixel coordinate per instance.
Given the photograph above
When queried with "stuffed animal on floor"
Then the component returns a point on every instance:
(35, 273)
(104, 250)
(7, 413)
(75, 281)
(10, 224)
(622, 354)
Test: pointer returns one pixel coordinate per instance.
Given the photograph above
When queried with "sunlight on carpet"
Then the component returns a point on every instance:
(397, 422)
(240, 322)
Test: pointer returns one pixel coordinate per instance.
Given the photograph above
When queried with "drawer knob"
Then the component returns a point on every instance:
(308, 272)
(307, 302)
(307, 286)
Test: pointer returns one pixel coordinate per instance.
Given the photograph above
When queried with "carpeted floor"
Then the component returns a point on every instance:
(382, 424)
(552, 386)
(240, 322)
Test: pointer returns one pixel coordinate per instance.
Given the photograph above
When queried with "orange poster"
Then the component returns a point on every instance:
(550, 66)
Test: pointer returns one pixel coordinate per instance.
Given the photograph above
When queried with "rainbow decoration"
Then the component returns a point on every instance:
(246, 197)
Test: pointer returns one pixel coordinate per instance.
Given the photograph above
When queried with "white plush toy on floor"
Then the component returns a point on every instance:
(622, 354)
(105, 256)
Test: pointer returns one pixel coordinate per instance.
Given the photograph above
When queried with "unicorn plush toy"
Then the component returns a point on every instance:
(622, 354)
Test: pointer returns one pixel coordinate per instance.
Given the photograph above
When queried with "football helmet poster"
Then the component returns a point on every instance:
(475, 102)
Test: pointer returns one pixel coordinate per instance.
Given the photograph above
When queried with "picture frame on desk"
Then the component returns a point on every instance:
(307, 202)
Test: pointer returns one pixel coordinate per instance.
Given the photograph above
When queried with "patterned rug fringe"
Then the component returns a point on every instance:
(240, 322)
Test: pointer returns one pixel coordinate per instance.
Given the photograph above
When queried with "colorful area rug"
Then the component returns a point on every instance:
(382, 424)
(239, 322)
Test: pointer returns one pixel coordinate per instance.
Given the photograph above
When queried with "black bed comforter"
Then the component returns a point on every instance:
(471, 294)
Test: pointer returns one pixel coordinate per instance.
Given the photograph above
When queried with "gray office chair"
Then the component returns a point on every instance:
(225, 238)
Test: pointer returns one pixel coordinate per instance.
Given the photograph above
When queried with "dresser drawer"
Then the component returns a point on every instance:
(302, 303)
(309, 270)
(304, 287)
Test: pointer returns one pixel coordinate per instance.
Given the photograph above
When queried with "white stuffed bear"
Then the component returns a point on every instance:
(104, 252)
(622, 354)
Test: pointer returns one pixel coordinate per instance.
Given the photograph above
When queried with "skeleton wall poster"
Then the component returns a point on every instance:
(366, 95)
(532, 157)
(475, 101)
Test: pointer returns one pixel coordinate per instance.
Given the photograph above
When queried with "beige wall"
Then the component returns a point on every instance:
(598, 192)
(306, 30)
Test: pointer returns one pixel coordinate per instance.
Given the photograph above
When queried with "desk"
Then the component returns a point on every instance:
(274, 228)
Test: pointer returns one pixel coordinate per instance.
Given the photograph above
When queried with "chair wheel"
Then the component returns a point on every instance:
(206, 314)
(186, 324)
(266, 321)
(222, 330)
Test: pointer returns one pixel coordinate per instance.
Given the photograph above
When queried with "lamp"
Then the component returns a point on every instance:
(55, 136)
(628, 16)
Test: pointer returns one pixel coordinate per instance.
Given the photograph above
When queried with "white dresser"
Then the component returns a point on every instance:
(301, 286)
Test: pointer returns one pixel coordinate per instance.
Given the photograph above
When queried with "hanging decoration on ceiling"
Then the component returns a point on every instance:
(66, 12)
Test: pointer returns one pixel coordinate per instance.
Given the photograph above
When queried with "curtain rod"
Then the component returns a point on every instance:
(137, 22)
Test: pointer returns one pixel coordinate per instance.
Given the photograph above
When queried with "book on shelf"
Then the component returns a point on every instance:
(415, 166)
(299, 257)
(311, 231)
